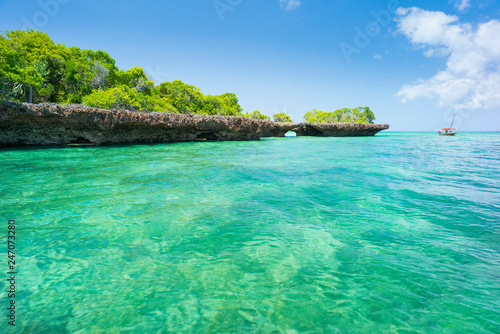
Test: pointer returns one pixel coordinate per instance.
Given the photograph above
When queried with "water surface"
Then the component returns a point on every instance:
(398, 233)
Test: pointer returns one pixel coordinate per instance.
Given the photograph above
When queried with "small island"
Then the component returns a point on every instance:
(59, 95)
(25, 124)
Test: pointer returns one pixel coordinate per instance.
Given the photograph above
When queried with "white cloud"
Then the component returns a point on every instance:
(378, 57)
(462, 5)
(289, 4)
(472, 76)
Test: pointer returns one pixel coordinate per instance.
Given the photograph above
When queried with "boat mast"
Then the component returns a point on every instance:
(451, 126)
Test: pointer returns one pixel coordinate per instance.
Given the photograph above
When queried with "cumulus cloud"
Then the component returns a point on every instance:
(289, 4)
(471, 79)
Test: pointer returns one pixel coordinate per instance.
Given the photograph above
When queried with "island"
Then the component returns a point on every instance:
(26, 124)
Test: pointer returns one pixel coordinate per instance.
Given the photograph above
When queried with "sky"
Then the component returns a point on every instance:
(414, 63)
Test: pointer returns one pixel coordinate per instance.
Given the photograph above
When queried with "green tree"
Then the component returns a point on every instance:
(124, 97)
(70, 75)
(342, 115)
(100, 75)
(105, 60)
(282, 118)
(258, 115)
(54, 90)
(16, 73)
(76, 80)
(186, 99)
(136, 78)
(345, 115)
(366, 115)
(33, 45)
(229, 105)
(318, 116)
(212, 105)
(121, 97)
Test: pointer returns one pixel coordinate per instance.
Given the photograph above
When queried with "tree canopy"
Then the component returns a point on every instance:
(61, 74)
(362, 115)
(258, 115)
(282, 118)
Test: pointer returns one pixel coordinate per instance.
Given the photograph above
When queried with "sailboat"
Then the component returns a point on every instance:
(448, 131)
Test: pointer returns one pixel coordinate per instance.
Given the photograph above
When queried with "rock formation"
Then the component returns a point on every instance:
(338, 129)
(23, 124)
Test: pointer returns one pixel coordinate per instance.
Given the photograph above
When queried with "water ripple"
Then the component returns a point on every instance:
(393, 234)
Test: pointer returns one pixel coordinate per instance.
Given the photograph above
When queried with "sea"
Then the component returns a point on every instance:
(396, 233)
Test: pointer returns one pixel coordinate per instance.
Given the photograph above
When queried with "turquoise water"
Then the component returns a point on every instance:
(398, 233)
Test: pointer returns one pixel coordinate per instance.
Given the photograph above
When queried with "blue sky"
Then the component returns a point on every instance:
(414, 63)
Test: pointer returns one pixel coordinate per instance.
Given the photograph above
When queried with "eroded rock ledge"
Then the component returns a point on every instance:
(23, 124)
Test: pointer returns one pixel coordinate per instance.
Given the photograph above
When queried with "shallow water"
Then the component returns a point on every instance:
(398, 233)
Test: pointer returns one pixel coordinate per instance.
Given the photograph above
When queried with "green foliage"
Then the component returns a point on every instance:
(121, 97)
(362, 115)
(318, 116)
(136, 78)
(33, 46)
(124, 97)
(61, 74)
(16, 72)
(367, 116)
(70, 75)
(229, 105)
(56, 73)
(185, 98)
(258, 115)
(282, 118)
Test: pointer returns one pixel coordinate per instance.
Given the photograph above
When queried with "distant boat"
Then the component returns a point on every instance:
(448, 131)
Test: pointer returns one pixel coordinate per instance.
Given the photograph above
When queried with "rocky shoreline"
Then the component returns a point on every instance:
(23, 124)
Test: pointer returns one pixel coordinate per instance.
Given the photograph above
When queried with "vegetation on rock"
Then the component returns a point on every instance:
(362, 115)
(31, 62)
(258, 115)
(59, 74)
(282, 118)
